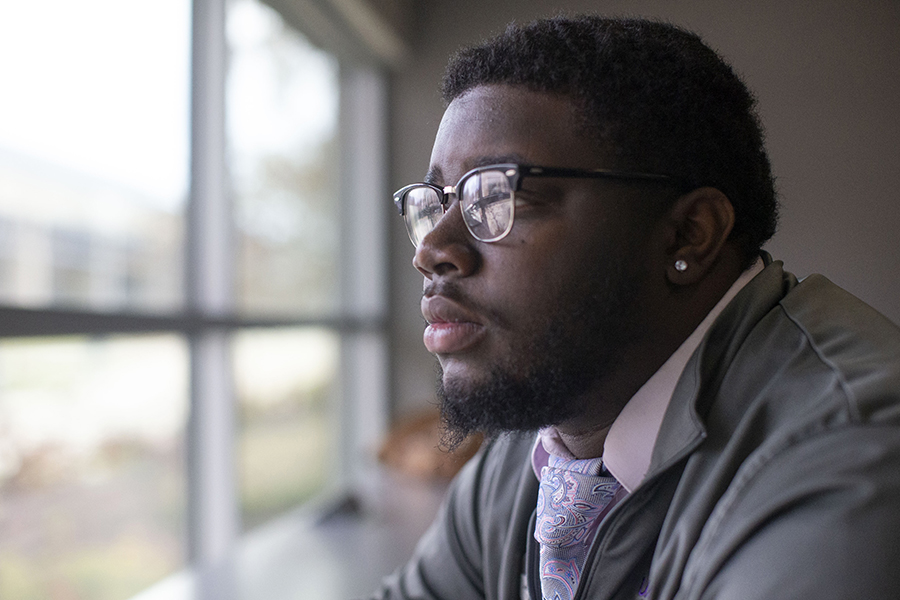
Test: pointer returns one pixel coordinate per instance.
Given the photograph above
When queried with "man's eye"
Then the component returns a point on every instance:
(524, 199)
(522, 202)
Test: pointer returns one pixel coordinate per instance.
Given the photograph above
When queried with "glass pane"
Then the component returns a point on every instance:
(286, 382)
(92, 475)
(282, 102)
(93, 152)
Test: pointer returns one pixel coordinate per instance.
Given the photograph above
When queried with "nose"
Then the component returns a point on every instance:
(448, 250)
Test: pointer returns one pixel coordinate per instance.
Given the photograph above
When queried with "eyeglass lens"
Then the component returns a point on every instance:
(423, 211)
(486, 201)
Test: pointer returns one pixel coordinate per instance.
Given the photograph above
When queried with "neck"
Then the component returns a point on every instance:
(584, 444)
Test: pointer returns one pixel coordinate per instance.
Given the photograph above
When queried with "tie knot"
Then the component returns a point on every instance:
(585, 466)
(569, 501)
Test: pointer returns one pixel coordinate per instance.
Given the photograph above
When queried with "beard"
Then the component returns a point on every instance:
(545, 383)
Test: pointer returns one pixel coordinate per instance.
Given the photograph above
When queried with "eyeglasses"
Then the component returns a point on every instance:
(487, 197)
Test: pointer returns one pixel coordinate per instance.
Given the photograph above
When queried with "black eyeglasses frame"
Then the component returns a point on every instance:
(516, 173)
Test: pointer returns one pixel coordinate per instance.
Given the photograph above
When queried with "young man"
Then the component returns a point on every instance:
(671, 414)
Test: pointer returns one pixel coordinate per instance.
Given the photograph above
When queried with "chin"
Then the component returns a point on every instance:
(501, 401)
(461, 376)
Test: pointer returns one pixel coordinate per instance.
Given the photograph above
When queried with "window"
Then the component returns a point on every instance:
(91, 464)
(191, 301)
(93, 168)
(282, 126)
(286, 385)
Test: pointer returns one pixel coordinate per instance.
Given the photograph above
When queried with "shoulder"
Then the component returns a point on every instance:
(802, 348)
(856, 346)
(802, 451)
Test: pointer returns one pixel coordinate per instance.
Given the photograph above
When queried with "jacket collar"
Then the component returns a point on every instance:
(683, 427)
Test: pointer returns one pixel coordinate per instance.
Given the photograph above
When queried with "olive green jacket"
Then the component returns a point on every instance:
(776, 473)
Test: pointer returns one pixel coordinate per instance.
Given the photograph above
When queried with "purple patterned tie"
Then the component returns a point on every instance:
(571, 496)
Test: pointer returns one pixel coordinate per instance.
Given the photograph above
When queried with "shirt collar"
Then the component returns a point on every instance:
(629, 444)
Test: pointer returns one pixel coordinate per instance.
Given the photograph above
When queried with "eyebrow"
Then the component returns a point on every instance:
(435, 175)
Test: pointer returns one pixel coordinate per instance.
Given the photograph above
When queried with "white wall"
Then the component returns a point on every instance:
(827, 78)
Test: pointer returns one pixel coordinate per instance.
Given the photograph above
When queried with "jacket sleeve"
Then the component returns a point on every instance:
(475, 547)
(447, 561)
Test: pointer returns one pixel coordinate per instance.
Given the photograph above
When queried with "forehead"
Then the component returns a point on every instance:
(501, 123)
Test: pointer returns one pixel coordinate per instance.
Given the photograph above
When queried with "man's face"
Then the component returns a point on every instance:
(526, 328)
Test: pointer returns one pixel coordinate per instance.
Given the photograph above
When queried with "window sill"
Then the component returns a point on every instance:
(303, 555)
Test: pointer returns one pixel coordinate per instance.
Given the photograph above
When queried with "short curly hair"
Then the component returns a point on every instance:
(652, 93)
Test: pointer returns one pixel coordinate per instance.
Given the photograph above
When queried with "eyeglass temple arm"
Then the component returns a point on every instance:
(595, 174)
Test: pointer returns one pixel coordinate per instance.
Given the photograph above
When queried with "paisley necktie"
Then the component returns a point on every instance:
(571, 496)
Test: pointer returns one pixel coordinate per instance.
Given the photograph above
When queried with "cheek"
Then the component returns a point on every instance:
(528, 264)
(530, 280)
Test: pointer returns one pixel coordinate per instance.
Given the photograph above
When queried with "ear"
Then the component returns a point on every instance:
(702, 220)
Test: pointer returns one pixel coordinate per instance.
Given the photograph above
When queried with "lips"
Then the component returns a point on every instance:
(451, 328)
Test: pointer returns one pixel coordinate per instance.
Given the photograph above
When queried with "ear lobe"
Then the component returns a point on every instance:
(702, 221)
